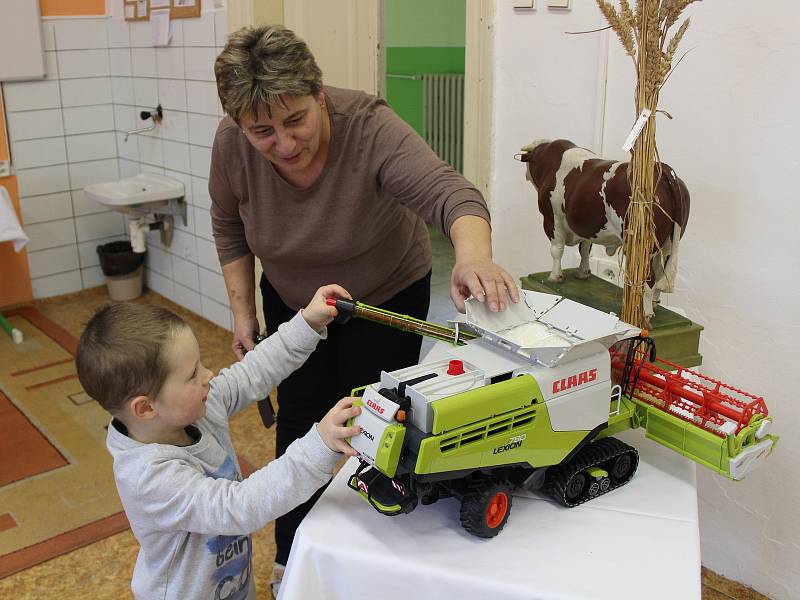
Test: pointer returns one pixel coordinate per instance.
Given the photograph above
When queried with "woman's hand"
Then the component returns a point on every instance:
(243, 330)
(318, 314)
(483, 279)
(332, 427)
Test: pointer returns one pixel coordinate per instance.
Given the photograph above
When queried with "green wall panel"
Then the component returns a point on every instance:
(405, 95)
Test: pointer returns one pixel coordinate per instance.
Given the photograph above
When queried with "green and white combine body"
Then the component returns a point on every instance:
(529, 404)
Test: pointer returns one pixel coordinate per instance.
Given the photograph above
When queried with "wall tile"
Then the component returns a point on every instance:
(185, 179)
(31, 95)
(213, 285)
(92, 277)
(53, 260)
(176, 33)
(143, 61)
(141, 35)
(50, 234)
(81, 205)
(49, 207)
(145, 92)
(49, 34)
(202, 223)
(220, 28)
(91, 146)
(74, 64)
(200, 196)
(159, 261)
(88, 119)
(188, 299)
(170, 63)
(55, 285)
(184, 246)
(128, 168)
(127, 149)
(92, 227)
(172, 94)
(124, 117)
(151, 150)
(176, 156)
(51, 65)
(84, 92)
(96, 171)
(120, 62)
(44, 180)
(39, 153)
(201, 161)
(202, 129)
(159, 284)
(118, 35)
(80, 34)
(199, 32)
(202, 97)
(207, 255)
(122, 90)
(175, 126)
(200, 63)
(185, 273)
(36, 124)
(216, 312)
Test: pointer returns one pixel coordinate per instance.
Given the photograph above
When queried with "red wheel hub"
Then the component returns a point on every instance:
(497, 509)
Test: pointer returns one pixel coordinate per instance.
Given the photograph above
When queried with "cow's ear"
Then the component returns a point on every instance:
(525, 156)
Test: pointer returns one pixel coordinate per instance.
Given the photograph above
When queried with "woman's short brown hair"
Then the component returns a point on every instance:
(121, 352)
(259, 65)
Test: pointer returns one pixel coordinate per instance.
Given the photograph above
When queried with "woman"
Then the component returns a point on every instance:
(329, 185)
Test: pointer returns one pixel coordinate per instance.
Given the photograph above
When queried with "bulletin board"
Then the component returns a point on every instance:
(139, 10)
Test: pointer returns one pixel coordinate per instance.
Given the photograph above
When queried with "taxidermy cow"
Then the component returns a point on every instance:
(583, 200)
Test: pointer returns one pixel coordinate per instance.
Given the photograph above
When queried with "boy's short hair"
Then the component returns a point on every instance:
(121, 352)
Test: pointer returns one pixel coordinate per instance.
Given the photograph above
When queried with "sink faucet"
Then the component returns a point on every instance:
(156, 115)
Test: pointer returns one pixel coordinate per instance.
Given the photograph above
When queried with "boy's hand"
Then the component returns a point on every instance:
(332, 428)
(318, 314)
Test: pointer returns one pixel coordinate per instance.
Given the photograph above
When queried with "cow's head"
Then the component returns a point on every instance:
(543, 158)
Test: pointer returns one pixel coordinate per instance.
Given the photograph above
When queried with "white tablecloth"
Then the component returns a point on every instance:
(639, 541)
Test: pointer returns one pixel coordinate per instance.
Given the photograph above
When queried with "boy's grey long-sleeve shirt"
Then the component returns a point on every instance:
(188, 506)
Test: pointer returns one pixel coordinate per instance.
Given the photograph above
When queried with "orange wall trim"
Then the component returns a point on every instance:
(62, 8)
(16, 286)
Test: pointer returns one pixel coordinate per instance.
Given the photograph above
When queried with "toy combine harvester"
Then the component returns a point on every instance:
(529, 399)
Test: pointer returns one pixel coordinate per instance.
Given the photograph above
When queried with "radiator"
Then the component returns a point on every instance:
(444, 116)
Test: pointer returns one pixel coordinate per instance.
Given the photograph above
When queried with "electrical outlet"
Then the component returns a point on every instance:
(5, 168)
(606, 268)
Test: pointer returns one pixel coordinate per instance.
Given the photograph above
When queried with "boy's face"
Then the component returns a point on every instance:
(182, 399)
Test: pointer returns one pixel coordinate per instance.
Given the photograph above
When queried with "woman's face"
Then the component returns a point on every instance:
(292, 137)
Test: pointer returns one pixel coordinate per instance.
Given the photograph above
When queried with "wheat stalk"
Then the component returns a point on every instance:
(644, 34)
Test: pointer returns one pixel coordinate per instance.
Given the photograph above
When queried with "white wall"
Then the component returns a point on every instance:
(68, 131)
(733, 141)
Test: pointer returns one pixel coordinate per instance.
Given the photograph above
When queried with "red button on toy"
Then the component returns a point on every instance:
(456, 367)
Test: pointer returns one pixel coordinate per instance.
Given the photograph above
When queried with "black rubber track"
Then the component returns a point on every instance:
(601, 453)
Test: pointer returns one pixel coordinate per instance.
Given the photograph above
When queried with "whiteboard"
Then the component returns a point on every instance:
(21, 49)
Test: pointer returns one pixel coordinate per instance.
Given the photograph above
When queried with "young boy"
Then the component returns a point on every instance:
(174, 464)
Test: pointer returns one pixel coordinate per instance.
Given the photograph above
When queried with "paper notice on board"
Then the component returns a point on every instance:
(159, 4)
(159, 21)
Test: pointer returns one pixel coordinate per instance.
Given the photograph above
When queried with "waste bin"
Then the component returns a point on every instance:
(123, 270)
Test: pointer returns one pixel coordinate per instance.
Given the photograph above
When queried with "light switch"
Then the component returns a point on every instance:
(529, 4)
(562, 4)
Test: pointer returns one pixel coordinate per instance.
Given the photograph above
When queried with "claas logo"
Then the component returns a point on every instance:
(565, 383)
(375, 406)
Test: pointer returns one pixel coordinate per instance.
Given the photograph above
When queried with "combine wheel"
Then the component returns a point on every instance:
(485, 508)
(623, 467)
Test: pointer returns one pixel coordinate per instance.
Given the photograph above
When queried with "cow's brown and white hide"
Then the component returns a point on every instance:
(584, 199)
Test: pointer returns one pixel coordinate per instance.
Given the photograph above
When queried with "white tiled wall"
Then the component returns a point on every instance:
(68, 131)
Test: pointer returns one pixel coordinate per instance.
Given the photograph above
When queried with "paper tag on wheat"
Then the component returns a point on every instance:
(637, 129)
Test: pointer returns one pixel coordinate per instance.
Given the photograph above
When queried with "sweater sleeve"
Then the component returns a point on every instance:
(174, 495)
(264, 367)
(413, 174)
(226, 224)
